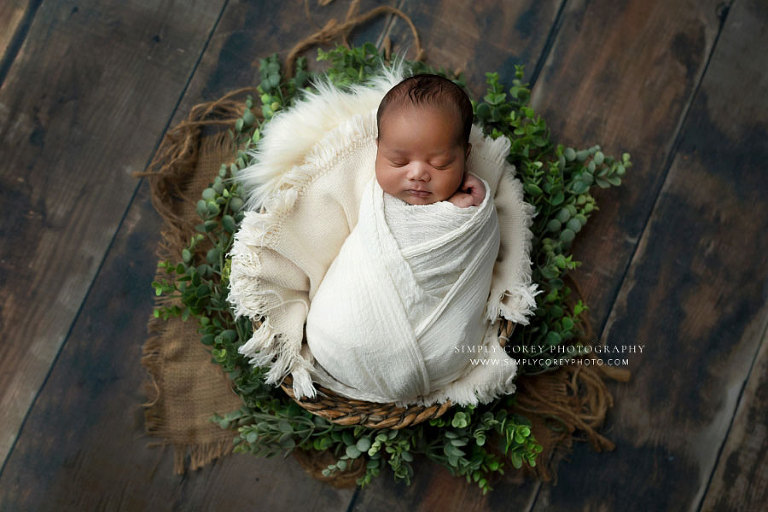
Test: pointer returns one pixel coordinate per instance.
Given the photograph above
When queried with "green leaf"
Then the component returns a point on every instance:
(229, 223)
(212, 256)
(451, 450)
(574, 225)
(533, 189)
(483, 111)
(553, 338)
(363, 444)
(567, 235)
(236, 204)
(209, 194)
(549, 272)
(248, 118)
(229, 336)
(201, 209)
(579, 187)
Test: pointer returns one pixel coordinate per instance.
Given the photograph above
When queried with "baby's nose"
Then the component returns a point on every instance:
(418, 171)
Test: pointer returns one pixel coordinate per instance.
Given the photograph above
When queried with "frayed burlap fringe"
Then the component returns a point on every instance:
(191, 437)
(185, 388)
(566, 405)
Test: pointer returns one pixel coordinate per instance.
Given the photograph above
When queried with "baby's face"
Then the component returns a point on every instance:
(420, 158)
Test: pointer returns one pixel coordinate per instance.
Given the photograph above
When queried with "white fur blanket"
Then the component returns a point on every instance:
(304, 197)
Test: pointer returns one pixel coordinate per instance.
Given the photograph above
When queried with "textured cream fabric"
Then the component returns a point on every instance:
(312, 168)
(400, 314)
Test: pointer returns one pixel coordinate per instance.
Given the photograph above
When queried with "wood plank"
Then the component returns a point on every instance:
(740, 479)
(622, 74)
(12, 15)
(83, 446)
(694, 295)
(81, 108)
(492, 37)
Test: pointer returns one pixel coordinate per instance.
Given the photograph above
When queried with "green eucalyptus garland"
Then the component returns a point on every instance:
(474, 442)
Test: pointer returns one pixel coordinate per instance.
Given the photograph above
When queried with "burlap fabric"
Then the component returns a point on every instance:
(187, 388)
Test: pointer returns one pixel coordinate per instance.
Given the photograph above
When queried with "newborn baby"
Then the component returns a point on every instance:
(423, 143)
(400, 311)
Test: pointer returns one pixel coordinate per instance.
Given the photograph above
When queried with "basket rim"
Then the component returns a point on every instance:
(348, 411)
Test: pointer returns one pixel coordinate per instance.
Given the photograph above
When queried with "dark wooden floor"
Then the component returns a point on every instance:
(675, 259)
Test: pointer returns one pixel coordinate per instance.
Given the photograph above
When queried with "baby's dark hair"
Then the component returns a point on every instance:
(434, 90)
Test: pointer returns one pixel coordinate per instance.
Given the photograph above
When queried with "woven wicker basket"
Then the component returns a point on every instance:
(346, 411)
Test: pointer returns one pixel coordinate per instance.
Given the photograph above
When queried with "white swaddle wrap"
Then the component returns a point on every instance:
(400, 314)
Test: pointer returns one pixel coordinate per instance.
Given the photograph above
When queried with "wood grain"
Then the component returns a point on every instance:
(249, 31)
(481, 36)
(82, 107)
(12, 13)
(622, 74)
(740, 479)
(694, 295)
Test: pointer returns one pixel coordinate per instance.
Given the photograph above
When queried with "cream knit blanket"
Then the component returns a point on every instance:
(304, 195)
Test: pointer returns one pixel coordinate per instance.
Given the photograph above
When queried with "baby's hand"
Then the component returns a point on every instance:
(471, 192)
